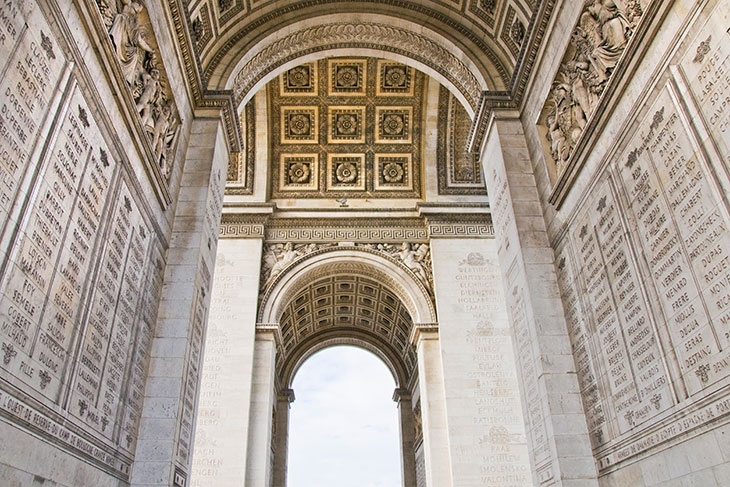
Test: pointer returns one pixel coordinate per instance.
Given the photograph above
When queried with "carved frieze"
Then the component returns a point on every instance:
(599, 39)
(416, 257)
(135, 48)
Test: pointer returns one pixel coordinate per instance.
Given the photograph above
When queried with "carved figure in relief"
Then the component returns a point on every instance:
(150, 87)
(278, 257)
(163, 138)
(413, 259)
(129, 39)
(599, 39)
(143, 72)
(612, 37)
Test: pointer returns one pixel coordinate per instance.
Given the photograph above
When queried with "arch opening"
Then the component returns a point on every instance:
(343, 423)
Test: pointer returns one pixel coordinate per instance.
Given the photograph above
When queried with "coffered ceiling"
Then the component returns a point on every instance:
(354, 306)
(346, 128)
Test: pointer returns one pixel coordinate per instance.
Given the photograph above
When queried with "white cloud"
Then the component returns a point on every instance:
(343, 427)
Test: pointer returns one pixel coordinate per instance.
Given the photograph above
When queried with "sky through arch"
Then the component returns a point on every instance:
(343, 426)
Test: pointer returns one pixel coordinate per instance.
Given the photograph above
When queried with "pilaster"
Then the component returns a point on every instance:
(402, 398)
(483, 405)
(556, 426)
(164, 449)
(425, 337)
(226, 394)
(259, 451)
(281, 437)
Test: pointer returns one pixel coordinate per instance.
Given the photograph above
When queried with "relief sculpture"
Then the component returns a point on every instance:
(597, 43)
(135, 49)
(277, 257)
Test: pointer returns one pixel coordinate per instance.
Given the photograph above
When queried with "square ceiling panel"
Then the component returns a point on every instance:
(347, 127)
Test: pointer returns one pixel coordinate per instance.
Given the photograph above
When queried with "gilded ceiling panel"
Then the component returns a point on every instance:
(346, 127)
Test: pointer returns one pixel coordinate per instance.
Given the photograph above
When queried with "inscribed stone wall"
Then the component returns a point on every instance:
(82, 257)
(219, 456)
(486, 427)
(644, 258)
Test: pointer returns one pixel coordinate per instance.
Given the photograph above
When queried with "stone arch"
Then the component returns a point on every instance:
(371, 35)
(353, 260)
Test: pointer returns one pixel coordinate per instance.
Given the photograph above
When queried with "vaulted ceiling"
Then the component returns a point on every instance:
(352, 306)
(491, 30)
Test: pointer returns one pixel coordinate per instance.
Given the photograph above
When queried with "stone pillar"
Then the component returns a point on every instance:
(219, 456)
(484, 413)
(407, 436)
(164, 449)
(557, 434)
(259, 454)
(281, 437)
(433, 406)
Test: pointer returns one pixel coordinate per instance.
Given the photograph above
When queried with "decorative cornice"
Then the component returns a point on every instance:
(341, 230)
(420, 329)
(202, 97)
(273, 329)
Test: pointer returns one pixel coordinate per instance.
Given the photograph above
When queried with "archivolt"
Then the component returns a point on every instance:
(358, 36)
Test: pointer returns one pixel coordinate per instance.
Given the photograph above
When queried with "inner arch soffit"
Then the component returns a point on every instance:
(482, 31)
(373, 35)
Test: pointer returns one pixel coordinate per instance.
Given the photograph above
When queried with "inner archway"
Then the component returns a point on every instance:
(342, 296)
(343, 423)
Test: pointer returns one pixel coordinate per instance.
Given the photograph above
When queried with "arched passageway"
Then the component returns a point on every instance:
(343, 423)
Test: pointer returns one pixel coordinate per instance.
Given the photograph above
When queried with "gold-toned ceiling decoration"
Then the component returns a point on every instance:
(346, 128)
(459, 171)
(484, 50)
(352, 305)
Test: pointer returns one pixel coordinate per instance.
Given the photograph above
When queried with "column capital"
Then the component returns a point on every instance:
(263, 329)
(401, 394)
(286, 395)
(423, 331)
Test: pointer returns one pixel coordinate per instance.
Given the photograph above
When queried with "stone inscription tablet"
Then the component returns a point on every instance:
(45, 273)
(593, 388)
(110, 328)
(31, 66)
(75, 329)
(706, 65)
(685, 239)
(644, 268)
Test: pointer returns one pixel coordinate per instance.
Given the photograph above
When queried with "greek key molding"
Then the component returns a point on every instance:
(353, 35)
(237, 227)
(460, 230)
(453, 226)
(344, 234)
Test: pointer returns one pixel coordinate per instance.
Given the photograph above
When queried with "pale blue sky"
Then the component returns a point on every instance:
(343, 428)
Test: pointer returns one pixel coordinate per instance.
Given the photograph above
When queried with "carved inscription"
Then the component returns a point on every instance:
(637, 378)
(498, 438)
(707, 68)
(47, 269)
(685, 239)
(112, 321)
(30, 68)
(192, 374)
(142, 343)
(535, 420)
(596, 401)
